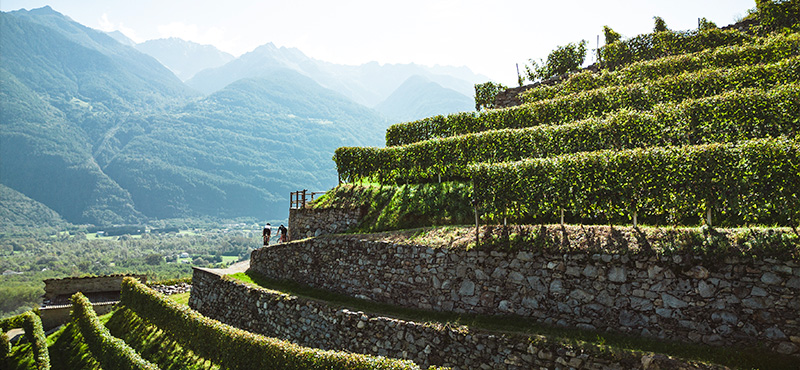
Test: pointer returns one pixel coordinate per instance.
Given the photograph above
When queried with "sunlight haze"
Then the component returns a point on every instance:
(487, 37)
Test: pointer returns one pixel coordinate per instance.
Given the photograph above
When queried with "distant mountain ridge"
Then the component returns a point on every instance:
(419, 97)
(368, 84)
(184, 58)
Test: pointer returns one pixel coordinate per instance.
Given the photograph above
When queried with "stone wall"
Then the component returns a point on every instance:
(89, 284)
(315, 324)
(310, 222)
(55, 316)
(735, 302)
(509, 97)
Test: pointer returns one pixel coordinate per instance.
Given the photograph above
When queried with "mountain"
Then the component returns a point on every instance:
(17, 210)
(184, 58)
(102, 133)
(420, 97)
(121, 38)
(368, 84)
(243, 149)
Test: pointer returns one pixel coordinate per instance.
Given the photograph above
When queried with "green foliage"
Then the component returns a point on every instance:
(659, 25)
(39, 257)
(777, 15)
(5, 346)
(610, 35)
(403, 207)
(563, 59)
(69, 350)
(597, 102)
(756, 181)
(485, 94)
(235, 348)
(766, 50)
(705, 24)
(109, 351)
(34, 333)
(151, 343)
(660, 44)
(732, 116)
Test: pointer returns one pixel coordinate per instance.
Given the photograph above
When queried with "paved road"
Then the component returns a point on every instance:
(232, 269)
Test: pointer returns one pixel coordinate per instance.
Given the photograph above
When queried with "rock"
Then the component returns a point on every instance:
(786, 348)
(698, 272)
(505, 306)
(556, 286)
(793, 283)
(617, 274)
(467, 288)
(774, 333)
(516, 277)
(672, 302)
(580, 295)
(771, 278)
(590, 271)
(705, 289)
(758, 292)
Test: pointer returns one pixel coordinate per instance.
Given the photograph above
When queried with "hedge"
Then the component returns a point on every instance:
(767, 50)
(660, 44)
(5, 345)
(112, 353)
(732, 116)
(755, 181)
(594, 103)
(235, 348)
(31, 323)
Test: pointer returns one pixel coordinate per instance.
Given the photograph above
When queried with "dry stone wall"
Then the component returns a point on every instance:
(88, 284)
(310, 222)
(316, 324)
(735, 302)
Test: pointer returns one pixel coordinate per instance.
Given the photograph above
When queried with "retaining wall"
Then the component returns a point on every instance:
(734, 302)
(319, 325)
(310, 222)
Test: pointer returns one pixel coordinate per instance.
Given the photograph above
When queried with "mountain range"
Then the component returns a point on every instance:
(101, 130)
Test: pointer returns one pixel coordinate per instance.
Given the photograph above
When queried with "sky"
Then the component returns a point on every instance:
(489, 37)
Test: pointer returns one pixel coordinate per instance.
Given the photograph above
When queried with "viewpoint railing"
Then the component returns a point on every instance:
(298, 199)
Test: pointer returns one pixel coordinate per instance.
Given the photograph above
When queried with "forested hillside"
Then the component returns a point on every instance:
(103, 134)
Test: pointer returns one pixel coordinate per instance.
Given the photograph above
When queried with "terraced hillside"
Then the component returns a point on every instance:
(640, 217)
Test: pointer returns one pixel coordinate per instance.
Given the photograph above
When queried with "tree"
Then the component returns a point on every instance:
(704, 24)
(153, 259)
(611, 35)
(660, 25)
(485, 94)
(563, 59)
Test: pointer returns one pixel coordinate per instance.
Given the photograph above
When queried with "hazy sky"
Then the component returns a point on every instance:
(489, 37)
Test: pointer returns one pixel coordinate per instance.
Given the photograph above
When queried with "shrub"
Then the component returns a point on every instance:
(766, 50)
(755, 181)
(5, 345)
(235, 348)
(664, 43)
(777, 15)
(110, 352)
(486, 93)
(563, 59)
(597, 102)
(732, 116)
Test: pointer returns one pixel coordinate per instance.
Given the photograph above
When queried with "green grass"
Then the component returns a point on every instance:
(182, 298)
(230, 259)
(741, 358)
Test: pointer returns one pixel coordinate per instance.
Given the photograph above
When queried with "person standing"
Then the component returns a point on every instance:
(267, 233)
(282, 234)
